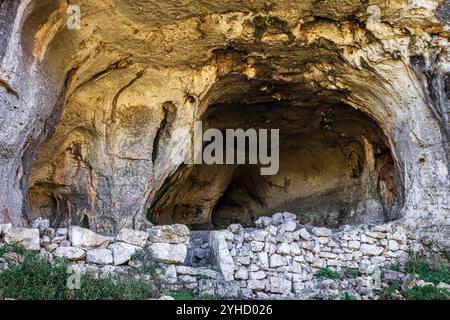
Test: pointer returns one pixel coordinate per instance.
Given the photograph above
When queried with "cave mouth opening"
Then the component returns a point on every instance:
(335, 168)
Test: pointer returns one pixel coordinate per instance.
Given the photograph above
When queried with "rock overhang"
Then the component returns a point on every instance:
(191, 54)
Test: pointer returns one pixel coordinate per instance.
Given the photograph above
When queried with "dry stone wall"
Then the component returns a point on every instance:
(278, 259)
(87, 114)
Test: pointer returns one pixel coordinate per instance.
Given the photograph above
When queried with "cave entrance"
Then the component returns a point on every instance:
(335, 168)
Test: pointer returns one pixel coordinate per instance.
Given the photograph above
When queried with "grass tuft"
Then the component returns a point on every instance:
(326, 273)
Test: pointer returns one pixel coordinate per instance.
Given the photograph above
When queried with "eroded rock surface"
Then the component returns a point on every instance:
(267, 262)
(87, 114)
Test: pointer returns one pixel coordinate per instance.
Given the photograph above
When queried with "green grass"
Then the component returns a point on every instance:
(326, 273)
(349, 297)
(394, 267)
(2, 252)
(149, 266)
(393, 288)
(429, 271)
(430, 292)
(427, 293)
(201, 277)
(38, 279)
(182, 296)
(351, 272)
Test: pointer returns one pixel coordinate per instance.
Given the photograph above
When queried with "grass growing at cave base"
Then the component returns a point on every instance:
(326, 273)
(426, 293)
(349, 297)
(429, 292)
(38, 279)
(428, 271)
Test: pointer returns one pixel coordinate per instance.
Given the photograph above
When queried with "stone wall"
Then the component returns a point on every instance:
(279, 259)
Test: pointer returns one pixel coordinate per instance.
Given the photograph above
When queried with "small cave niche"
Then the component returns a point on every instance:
(43, 203)
(59, 187)
(335, 168)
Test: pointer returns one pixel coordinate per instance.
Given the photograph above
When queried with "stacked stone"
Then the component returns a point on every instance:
(168, 244)
(279, 258)
(180, 278)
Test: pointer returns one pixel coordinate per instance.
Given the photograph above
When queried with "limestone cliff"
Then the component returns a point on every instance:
(360, 89)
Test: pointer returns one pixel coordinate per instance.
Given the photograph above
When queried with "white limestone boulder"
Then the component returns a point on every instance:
(168, 252)
(99, 256)
(123, 252)
(85, 238)
(26, 237)
(134, 237)
(177, 233)
(222, 255)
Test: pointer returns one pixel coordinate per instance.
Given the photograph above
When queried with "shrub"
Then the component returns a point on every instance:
(326, 273)
(148, 265)
(428, 271)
